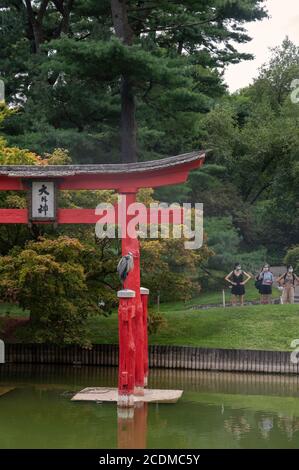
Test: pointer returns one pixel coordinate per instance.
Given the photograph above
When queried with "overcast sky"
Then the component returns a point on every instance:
(283, 21)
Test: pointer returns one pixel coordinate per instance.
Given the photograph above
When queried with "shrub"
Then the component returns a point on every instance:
(292, 257)
(49, 279)
(155, 322)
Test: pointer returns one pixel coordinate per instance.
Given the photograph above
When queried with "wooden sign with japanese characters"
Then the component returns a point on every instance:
(43, 201)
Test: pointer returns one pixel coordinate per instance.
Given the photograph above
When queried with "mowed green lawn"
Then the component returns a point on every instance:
(267, 327)
(12, 311)
(216, 298)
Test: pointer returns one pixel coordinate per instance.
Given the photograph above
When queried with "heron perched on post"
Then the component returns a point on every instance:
(125, 265)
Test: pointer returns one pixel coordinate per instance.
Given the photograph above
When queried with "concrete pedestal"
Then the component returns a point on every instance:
(106, 394)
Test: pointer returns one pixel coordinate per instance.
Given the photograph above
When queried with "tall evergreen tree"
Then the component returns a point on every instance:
(79, 68)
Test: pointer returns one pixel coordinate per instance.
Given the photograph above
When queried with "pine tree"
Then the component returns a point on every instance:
(77, 69)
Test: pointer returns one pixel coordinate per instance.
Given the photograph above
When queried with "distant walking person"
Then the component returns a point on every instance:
(288, 281)
(264, 283)
(238, 278)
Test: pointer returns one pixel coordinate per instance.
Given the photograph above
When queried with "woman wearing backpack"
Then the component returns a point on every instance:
(288, 281)
(264, 282)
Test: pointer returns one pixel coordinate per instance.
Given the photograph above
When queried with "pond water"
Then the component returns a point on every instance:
(217, 410)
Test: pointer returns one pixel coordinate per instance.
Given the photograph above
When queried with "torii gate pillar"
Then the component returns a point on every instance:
(134, 310)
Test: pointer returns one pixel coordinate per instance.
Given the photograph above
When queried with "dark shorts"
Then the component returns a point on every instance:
(238, 290)
(266, 290)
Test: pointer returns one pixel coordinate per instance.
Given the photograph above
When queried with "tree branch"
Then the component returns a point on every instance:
(266, 186)
(178, 26)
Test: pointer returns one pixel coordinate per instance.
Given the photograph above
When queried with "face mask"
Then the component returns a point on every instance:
(291, 270)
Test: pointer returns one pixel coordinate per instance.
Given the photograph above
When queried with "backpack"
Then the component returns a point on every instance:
(294, 278)
(258, 283)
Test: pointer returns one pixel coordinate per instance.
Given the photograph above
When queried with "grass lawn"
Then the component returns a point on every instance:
(207, 298)
(12, 311)
(10, 317)
(268, 327)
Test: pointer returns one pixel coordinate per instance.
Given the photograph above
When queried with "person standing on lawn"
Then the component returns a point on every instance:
(238, 278)
(288, 281)
(265, 280)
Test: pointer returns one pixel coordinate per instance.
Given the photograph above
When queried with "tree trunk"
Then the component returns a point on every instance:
(35, 19)
(128, 107)
(128, 122)
(64, 7)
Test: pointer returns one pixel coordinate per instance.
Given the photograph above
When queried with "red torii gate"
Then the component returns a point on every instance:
(127, 179)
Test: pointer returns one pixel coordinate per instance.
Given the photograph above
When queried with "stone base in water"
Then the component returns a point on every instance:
(4, 390)
(107, 394)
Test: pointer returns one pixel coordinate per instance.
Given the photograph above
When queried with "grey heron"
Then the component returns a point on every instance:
(125, 265)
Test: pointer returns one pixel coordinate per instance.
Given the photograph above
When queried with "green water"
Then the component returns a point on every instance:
(217, 410)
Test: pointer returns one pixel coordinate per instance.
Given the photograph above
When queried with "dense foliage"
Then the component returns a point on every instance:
(48, 279)
(251, 173)
(90, 81)
(62, 62)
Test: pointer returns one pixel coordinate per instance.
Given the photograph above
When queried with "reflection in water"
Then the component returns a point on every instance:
(190, 380)
(289, 425)
(266, 425)
(237, 426)
(132, 427)
(217, 410)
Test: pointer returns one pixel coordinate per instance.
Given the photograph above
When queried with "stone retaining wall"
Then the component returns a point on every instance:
(168, 357)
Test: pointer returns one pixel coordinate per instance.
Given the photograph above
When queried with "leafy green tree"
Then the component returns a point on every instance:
(48, 279)
(292, 258)
(168, 269)
(252, 169)
(274, 83)
(62, 282)
(226, 242)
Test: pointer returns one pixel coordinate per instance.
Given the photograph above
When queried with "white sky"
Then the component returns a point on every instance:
(283, 21)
